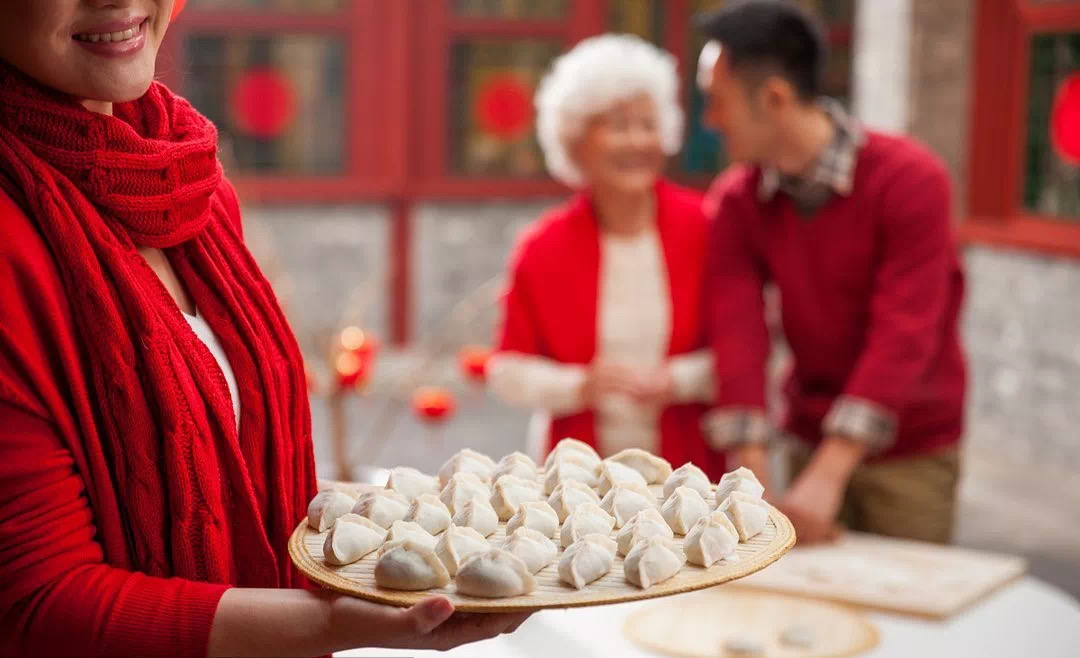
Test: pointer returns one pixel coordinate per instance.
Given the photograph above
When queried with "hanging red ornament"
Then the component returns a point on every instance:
(504, 107)
(433, 404)
(262, 103)
(358, 341)
(473, 361)
(351, 371)
(1065, 120)
(178, 6)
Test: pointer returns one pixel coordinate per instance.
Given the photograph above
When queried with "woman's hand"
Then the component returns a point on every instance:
(656, 387)
(606, 378)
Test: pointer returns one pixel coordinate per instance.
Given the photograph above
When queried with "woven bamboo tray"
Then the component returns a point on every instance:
(357, 579)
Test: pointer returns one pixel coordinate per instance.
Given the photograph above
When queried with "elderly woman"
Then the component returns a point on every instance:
(602, 326)
(155, 440)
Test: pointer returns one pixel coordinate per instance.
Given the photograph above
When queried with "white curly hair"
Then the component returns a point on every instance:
(593, 77)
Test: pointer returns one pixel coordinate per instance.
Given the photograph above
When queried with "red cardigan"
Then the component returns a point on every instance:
(871, 288)
(58, 596)
(550, 306)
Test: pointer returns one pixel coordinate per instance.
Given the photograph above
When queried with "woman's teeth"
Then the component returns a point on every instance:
(109, 36)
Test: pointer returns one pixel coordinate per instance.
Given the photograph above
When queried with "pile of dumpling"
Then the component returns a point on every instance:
(431, 529)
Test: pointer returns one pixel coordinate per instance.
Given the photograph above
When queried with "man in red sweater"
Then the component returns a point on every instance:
(851, 226)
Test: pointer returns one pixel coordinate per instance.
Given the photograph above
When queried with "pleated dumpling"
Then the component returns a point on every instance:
(383, 506)
(741, 479)
(517, 464)
(609, 473)
(580, 450)
(408, 565)
(509, 492)
(626, 500)
(688, 475)
(683, 509)
(654, 469)
(462, 487)
(535, 550)
(653, 561)
(402, 530)
(478, 514)
(711, 539)
(568, 495)
(429, 513)
(565, 469)
(326, 507)
(586, 519)
(586, 560)
(467, 461)
(494, 574)
(537, 515)
(350, 538)
(646, 523)
(746, 512)
(410, 482)
(458, 543)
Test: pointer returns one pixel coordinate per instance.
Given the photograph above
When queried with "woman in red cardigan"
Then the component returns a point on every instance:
(155, 442)
(602, 329)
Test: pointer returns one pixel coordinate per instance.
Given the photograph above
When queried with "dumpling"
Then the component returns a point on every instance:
(383, 506)
(402, 530)
(408, 565)
(467, 461)
(537, 515)
(568, 495)
(565, 469)
(429, 513)
(510, 491)
(683, 509)
(688, 475)
(478, 514)
(712, 538)
(584, 453)
(741, 479)
(653, 561)
(494, 574)
(610, 473)
(326, 507)
(586, 560)
(463, 487)
(517, 464)
(747, 513)
(626, 500)
(646, 523)
(586, 519)
(410, 482)
(535, 550)
(458, 543)
(654, 469)
(351, 538)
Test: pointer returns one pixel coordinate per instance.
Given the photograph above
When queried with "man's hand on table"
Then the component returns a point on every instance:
(813, 500)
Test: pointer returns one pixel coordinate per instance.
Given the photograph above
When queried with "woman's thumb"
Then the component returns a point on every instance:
(426, 616)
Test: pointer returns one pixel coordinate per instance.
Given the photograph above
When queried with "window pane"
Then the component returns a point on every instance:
(288, 5)
(645, 18)
(1052, 185)
(278, 101)
(493, 82)
(512, 9)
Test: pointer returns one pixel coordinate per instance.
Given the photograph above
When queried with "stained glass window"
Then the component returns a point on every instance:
(492, 124)
(511, 9)
(277, 100)
(1052, 178)
(645, 18)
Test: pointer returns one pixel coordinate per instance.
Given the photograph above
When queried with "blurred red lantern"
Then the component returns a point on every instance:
(177, 7)
(433, 404)
(1065, 120)
(351, 371)
(504, 107)
(473, 360)
(262, 103)
(358, 341)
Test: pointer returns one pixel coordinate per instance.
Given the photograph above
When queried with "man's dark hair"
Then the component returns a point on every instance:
(770, 37)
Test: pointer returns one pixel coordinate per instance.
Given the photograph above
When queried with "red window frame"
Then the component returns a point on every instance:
(1003, 30)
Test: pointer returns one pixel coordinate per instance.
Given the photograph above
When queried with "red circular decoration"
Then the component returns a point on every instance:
(359, 342)
(351, 370)
(1065, 120)
(473, 361)
(433, 404)
(178, 6)
(503, 107)
(263, 103)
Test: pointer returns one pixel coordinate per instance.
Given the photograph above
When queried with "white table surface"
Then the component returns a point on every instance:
(1026, 618)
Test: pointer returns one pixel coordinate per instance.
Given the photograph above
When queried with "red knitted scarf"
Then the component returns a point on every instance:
(190, 496)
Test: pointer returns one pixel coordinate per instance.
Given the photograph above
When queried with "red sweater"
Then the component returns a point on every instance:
(871, 291)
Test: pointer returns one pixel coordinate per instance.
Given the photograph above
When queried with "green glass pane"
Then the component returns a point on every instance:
(645, 18)
(510, 9)
(1051, 186)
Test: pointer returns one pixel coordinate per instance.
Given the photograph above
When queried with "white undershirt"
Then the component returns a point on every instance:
(633, 329)
(207, 336)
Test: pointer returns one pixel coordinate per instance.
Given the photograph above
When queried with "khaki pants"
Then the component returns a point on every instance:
(909, 497)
